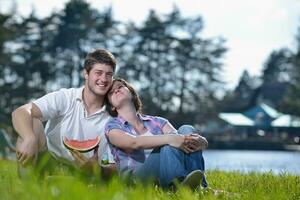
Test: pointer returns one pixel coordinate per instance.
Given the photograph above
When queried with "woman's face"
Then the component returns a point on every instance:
(118, 94)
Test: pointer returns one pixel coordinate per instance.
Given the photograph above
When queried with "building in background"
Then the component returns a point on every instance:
(259, 127)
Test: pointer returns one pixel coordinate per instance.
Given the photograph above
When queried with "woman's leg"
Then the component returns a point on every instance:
(149, 171)
(193, 161)
(164, 164)
(169, 163)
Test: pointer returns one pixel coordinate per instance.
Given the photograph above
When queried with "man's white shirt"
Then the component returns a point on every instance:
(65, 114)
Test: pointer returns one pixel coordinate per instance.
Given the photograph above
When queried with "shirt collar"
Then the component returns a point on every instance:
(78, 96)
(79, 93)
(142, 117)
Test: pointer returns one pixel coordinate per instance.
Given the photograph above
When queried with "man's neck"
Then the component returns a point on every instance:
(91, 101)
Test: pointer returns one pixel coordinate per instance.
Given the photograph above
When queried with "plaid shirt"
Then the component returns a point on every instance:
(129, 161)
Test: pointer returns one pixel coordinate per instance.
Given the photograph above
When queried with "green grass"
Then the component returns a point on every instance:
(231, 185)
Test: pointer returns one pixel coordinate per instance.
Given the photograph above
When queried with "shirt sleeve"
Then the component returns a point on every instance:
(53, 104)
(112, 124)
(161, 121)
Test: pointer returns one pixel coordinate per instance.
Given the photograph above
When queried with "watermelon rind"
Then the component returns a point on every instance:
(81, 145)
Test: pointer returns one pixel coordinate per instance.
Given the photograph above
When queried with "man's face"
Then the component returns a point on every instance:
(99, 79)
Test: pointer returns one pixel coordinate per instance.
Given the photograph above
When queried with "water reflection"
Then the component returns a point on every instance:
(259, 161)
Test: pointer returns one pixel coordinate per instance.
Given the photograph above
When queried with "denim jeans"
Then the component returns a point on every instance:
(168, 163)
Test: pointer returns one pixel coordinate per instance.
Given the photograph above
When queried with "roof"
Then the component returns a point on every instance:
(270, 111)
(236, 119)
(262, 108)
(286, 121)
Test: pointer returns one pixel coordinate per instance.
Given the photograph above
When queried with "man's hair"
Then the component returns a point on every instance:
(135, 98)
(101, 56)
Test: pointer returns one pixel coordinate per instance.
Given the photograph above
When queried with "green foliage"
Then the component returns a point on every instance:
(223, 185)
(177, 71)
(291, 100)
(79, 29)
(242, 94)
(278, 66)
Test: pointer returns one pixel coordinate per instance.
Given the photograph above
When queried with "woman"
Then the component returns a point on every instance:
(148, 147)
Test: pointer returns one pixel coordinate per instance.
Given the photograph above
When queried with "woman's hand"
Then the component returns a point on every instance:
(188, 143)
(196, 142)
(181, 142)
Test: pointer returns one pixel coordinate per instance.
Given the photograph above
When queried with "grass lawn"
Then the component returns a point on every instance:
(224, 185)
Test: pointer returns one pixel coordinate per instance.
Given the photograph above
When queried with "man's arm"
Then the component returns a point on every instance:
(22, 119)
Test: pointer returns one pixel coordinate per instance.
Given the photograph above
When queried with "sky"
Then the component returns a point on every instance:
(252, 28)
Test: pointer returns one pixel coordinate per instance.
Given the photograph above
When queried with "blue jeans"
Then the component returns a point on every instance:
(168, 163)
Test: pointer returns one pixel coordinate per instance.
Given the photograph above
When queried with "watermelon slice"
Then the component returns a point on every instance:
(81, 146)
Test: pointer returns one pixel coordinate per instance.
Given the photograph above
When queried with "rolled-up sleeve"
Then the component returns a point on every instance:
(53, 104)
(110, 125)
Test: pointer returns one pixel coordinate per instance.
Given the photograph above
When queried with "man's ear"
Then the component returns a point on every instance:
(85, 74)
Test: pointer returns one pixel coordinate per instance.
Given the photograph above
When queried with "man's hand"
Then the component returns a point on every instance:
(196, 142)
(27, 150)
(87, 164)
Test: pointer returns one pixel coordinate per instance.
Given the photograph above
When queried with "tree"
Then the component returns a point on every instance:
(291, 101)
(26, 67)
(6, 35)
(29, 69)
(80, 29)
(243, 96)
(245, 86)
(176, 70)
(278, 66)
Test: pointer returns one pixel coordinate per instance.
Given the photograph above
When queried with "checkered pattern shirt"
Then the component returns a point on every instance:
(129, 161)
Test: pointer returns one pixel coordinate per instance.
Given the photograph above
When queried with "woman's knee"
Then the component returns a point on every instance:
(170, 150)
(186, 129)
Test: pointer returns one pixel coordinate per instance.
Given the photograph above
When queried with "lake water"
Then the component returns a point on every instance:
(259, 161)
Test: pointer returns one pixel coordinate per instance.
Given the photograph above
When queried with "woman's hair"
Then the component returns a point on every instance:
(135, 98)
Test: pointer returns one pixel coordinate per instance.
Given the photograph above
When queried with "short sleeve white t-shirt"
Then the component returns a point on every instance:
(147, 151)
(64, 112)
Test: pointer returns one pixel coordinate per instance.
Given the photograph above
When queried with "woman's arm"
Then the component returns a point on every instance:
(126, 141)
(194, 142)
(168, 128)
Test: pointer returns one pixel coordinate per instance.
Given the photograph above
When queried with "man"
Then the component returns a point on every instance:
(76, 113)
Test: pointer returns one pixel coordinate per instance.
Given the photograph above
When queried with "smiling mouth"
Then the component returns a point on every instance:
(101, 85)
